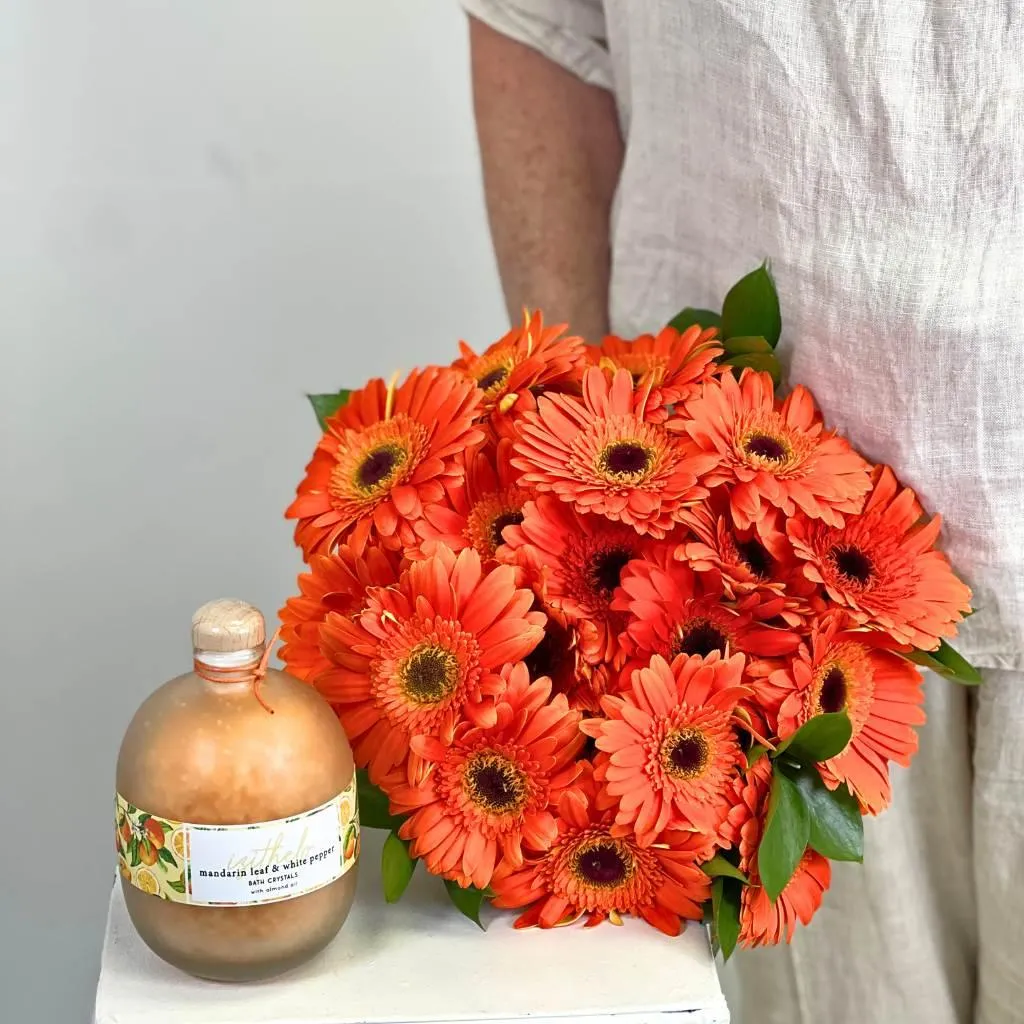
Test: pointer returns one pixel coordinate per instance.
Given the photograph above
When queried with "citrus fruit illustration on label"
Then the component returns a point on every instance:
(237, 865)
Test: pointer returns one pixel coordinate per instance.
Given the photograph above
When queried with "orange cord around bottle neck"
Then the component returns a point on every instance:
(253, 673)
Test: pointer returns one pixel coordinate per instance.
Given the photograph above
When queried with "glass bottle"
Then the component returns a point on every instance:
(237, 827)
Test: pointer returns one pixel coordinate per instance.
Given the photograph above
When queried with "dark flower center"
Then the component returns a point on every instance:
(699, 636)
(754, 555)
(499, 524)
(686, 754)
(378, 465)
(606, 569)
(493, 378)
(602, 865)
(626, 458)
(765, 447)
(833, 691)
(744, 739)
(495, 783)
(429, 675)
(552, 656)
(852, 563)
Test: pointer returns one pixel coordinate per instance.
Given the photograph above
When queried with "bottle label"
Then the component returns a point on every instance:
(238, 865)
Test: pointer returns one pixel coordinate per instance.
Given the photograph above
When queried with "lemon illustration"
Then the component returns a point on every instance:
(147, 882)
(345, 808)
(178, 843)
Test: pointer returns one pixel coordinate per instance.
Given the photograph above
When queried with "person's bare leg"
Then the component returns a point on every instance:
(551, 152)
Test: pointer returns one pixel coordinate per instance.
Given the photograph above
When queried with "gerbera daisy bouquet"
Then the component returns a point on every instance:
(617, 629)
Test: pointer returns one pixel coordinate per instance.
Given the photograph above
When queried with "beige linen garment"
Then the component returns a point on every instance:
(874, 151)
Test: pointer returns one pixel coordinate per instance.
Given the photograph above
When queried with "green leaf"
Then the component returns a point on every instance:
(766, 362)
(133, 852)
(178, 885)
(947, 663)
(746, 346)
(837, 827)
(468, 900)
(165, 857)
(326, 406)
(719, 867)
(690, 316)
(752, 308)
(726, 894)
(396, 867)
(374, 811)
(785, 838)
(818, 739)
(755, 753)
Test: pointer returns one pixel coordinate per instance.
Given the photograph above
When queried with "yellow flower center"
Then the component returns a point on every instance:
(494, 783)
(429, 675)
(494, 378)
(766, 448)
(832, 692)
(603, 863)
(500, 522)
(767, 443)
(844, 681)
(489, 517)
(699, 636)
(372, 461)
(686, 754)
(626, 460)
(491, 373)
(379, 467)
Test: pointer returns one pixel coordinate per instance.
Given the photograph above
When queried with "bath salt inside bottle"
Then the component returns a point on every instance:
(237, 826)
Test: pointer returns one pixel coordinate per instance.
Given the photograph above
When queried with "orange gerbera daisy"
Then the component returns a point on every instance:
(424, 654)
(575, 563)
(744, 560)
(588, 871)
(758, 560)
(600, 455)
(880, 692)
(748, 798)
(477, 514)
(336, 583)
(883, 567)
(673, 365)
(773, 454)
(524, 360)
(670, 611)
(384, 454)
(492, 791)
(762, 922)
(671, 749)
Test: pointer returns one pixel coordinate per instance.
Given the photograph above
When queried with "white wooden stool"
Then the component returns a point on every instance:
(422, 961)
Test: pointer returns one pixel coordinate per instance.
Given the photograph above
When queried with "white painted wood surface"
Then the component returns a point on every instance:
(421, 961)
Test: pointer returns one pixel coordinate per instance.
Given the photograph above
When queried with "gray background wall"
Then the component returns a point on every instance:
(207, 208)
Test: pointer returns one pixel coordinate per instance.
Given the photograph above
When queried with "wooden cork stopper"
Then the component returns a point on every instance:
(227, 625)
